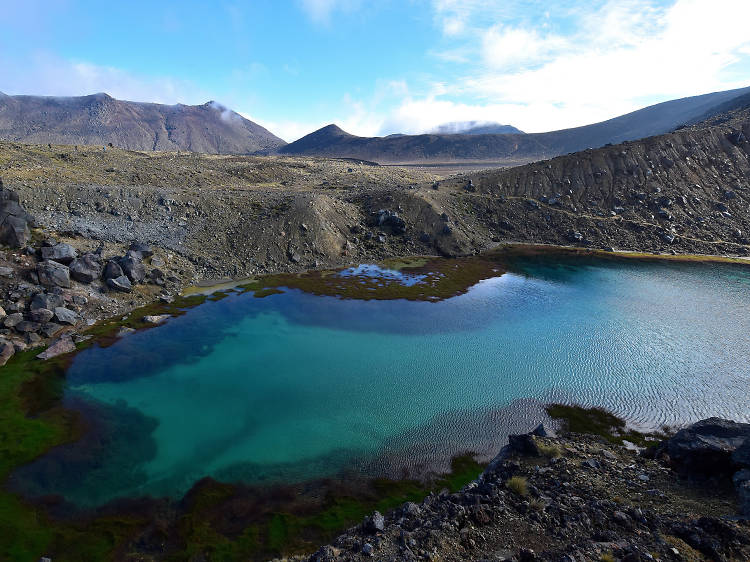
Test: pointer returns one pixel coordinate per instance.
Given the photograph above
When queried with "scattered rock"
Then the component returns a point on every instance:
(121, 284)
(64, 344)
(86, 269)
(156, 319)
(61, 253)
(112, 270)
(65, 316)
(53, 274)
(133, 268)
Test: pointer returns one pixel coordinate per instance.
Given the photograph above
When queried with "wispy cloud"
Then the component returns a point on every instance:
(320, 11)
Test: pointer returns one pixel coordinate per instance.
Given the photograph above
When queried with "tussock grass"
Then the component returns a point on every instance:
(518, 485)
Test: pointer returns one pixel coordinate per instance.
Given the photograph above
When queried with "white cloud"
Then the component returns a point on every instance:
(611, 59)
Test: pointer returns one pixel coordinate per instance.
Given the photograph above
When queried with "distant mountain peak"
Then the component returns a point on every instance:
(475, 128)
(101, 119)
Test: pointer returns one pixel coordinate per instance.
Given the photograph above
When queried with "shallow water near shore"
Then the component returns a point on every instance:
(295, 386)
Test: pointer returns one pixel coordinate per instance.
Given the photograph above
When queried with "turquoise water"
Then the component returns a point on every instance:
(294, 386)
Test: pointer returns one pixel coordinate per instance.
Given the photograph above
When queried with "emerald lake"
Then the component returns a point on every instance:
(293, 386)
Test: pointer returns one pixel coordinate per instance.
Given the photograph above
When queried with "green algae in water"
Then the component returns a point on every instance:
(295, 386)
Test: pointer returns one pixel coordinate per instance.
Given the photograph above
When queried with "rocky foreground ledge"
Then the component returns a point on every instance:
(578, 497)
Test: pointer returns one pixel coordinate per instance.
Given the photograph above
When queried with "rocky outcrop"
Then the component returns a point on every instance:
(14, 220)
(712, 449)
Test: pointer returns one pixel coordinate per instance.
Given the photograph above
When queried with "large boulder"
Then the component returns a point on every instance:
(112, 270)
(86, 269)
(133, 267)
(14, 220)
(53, 274)
(61, 253)
(705, 448)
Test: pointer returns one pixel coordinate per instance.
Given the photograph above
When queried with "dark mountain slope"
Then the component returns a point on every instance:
(100, 119)
(514, 148)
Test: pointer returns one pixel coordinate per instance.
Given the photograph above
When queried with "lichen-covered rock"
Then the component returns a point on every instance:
(7, 350)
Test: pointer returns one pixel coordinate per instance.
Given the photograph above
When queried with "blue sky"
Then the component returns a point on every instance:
(379, 67)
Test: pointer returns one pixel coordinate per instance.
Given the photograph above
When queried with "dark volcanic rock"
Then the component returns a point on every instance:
(45, 300)
(112, 270)
(41, 315)
(706, 447)
(86, 269)
(53, 274)
(61, 253)
(133, 267)
(741, 455)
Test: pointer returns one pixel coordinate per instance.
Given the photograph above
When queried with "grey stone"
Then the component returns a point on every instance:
(156, 261)
(50, 329)
(41, 315)
(61, 253)
(375, 523)
(121, 284)
(86, 268)
(12, 320)
(6, 271)
(706, 447)
(27, 326)
(45, 300)
(65, 315)
(542, 431)
(53, 274)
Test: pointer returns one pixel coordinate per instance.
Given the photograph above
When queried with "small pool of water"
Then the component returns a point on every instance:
(373, 271)
(294, 386)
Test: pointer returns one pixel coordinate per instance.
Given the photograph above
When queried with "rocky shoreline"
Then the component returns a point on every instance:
(577, 497)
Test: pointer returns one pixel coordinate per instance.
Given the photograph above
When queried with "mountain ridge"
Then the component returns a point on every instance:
(100, 119)
(516, 148)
